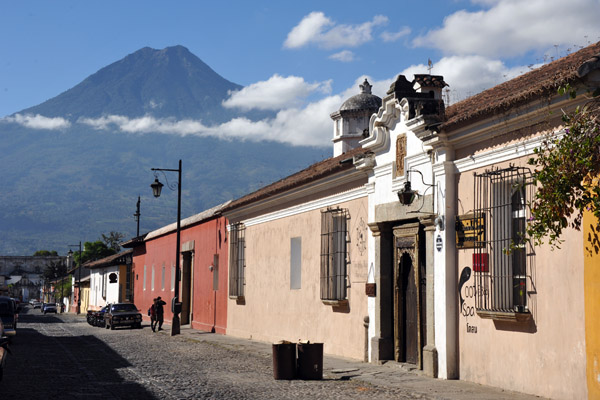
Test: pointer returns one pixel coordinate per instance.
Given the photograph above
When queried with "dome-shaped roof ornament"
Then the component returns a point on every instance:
(366, 87)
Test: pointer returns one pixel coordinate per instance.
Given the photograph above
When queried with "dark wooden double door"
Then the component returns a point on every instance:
(409, 298)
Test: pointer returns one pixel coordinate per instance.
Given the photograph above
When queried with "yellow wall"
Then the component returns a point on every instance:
(85, 299)
(591, 252)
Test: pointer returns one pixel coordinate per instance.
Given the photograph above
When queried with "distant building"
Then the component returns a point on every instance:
(23, 274)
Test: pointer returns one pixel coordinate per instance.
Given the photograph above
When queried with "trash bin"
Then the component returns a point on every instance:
(284, 361)
(310, 361)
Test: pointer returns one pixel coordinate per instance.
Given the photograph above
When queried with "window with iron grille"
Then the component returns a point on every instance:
(237, 250)
(334, 260)
(502, 257)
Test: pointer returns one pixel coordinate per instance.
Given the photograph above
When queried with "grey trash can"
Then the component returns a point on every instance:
(284, 361)
(310, 361)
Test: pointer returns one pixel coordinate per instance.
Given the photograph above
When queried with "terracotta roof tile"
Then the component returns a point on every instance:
(316, 171)
(107, 260)
(539, 82)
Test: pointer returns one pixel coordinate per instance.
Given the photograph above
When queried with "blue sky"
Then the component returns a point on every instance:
(306, 56)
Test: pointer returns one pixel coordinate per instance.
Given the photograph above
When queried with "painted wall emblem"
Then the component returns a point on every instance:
(361, 236)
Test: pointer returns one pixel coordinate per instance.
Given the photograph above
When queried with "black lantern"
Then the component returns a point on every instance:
(156, 187)
(406, 196)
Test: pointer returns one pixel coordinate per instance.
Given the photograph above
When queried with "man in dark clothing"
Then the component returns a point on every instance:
(159, 312)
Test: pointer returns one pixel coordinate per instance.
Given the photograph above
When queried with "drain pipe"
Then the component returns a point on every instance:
(366, 325)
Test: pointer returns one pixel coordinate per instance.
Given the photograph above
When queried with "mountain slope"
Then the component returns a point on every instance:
(171, 82)
(62, 186)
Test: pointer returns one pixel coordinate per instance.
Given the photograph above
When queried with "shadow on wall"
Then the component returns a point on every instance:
(593, 242)
(528, 326)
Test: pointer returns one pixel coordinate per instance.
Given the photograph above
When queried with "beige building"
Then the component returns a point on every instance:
(298, 259)
(298, 248)
(409, 240)
(521, 312)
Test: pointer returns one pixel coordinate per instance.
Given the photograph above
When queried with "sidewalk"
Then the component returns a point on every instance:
(390, 374)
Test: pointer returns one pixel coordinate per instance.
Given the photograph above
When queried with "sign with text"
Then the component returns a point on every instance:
(470, 231)
(481, 262)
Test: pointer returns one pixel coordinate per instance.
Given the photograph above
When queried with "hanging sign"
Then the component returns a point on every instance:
(470, 231)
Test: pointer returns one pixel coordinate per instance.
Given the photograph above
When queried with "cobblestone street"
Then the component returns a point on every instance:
(64, 357)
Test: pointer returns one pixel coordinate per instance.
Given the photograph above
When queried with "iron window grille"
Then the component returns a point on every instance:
(334, 254)
(502, 258)
(237, 262)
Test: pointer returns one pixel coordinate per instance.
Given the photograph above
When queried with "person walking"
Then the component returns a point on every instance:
(153, 319)
(159, 312)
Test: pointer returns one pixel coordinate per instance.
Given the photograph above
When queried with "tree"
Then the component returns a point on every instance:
(566, 172)
(54, 270)
(94, 251)
(45, 253)
(112, 240)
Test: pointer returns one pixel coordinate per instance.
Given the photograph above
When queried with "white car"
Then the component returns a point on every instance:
(49, 307)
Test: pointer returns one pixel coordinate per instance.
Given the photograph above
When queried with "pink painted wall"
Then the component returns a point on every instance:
(209, 307)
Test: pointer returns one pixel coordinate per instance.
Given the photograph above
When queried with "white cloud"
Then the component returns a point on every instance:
(343, 56)
(513, 27)
(275, 93)
(468, 75)
(308, 126)
(39, 121)
(393, 36)
(318, 29)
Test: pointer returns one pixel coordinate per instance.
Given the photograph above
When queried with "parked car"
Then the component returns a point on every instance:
(123, 314)
(49, 307)
(17, 304)
(3, 349)
(8, 315)
(37, 304)
(96, 318)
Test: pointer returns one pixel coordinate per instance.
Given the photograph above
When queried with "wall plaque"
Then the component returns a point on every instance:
(400, 154)
(470, 231)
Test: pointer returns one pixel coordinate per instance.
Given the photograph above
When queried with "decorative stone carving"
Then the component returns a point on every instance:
(400, 154)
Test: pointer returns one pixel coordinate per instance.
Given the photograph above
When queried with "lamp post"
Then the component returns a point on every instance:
(69, 265)
(156, 190)
(137, 217)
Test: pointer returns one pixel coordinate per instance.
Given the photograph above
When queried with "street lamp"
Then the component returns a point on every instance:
(70, 265)
(156, 190)
(137, 216)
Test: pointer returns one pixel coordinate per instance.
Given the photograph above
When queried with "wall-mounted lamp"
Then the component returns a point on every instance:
(406, 196)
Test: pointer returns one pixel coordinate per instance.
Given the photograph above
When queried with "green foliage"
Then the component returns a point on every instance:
(54, 270)
(566, 172)
(94, 251)
(62, 288)
(112, 240)
(45, 253)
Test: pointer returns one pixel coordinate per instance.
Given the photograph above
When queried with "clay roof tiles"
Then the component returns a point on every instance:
(540, 82)
(316, 171)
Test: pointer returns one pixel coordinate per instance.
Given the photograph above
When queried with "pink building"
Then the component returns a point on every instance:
(203, 263)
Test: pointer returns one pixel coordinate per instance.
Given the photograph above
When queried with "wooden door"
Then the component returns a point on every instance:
(411, 323)
(407, 305)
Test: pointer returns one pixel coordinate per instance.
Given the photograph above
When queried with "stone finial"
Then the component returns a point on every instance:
(366, 87)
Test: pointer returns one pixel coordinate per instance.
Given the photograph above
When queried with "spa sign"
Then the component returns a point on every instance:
(470, 231)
